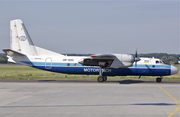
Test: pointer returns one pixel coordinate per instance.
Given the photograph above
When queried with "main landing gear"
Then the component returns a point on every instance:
(159, 79)
(101, 78)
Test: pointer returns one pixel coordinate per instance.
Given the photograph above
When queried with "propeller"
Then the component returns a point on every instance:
(136, 59)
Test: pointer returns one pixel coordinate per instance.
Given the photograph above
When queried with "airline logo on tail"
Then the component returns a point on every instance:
(22, 38)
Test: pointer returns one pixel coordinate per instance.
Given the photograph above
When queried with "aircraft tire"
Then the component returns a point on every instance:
(158, 79)
(100, 79)
(105, 78)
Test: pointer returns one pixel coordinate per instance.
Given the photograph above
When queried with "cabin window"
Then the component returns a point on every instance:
(64, 59)
(157, 62)
(68, 64)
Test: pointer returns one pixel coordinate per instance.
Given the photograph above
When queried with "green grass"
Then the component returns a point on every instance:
(25, 72)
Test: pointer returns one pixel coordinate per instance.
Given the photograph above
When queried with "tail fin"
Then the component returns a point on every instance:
(20, 39)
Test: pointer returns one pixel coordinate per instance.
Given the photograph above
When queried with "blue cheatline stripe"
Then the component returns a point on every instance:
(48, 63)
(146, 70)
(151, 66)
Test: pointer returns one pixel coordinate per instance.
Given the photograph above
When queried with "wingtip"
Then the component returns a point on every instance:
(93, 55)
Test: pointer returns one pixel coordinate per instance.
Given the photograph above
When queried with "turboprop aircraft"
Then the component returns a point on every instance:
(23, 51)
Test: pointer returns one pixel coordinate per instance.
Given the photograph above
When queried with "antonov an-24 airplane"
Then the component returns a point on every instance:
(23, 51)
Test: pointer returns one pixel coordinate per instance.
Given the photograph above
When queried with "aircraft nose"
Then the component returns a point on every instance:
(174, 70)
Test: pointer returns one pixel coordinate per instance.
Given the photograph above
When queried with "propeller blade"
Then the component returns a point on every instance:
(136, 59)
(136, 53)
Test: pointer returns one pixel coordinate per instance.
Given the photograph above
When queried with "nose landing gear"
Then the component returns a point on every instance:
(159, 79)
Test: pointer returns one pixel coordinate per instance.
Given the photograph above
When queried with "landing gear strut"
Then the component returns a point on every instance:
(159, 79)
(101, 78)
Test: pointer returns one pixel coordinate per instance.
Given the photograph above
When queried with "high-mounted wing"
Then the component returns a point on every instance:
(109, 60)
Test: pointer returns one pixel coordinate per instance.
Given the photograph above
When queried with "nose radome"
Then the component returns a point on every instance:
(174, 70)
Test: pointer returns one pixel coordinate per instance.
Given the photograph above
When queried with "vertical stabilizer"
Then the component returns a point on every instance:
(20, 39)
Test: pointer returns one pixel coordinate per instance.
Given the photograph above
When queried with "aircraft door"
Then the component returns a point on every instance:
(48, 63)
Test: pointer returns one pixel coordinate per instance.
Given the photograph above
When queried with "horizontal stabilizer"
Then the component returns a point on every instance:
(11, 53)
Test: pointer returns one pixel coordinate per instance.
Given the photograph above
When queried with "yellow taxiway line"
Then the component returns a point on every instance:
(177, 103)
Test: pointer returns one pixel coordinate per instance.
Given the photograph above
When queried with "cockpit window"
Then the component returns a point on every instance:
(157, 62)
(160, 62)
(164, 62)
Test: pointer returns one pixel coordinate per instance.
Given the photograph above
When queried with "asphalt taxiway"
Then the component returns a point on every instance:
(43, 98)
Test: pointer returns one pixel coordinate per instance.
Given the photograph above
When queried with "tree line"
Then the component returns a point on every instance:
(3, 58)
(168, 58)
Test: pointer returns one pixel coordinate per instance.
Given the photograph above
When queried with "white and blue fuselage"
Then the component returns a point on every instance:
(70, 65)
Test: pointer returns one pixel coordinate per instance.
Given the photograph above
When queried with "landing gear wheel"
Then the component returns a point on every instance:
(105, 78)
(158, 79)
(100, 79)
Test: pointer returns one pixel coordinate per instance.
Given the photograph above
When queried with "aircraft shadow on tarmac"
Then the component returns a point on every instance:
(156, 104)
(130, 81)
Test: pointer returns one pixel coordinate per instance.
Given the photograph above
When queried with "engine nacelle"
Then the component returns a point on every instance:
(122, 60)
(103, 64)
(110, 60)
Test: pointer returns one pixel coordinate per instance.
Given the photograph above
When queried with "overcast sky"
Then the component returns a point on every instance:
(96, 26)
